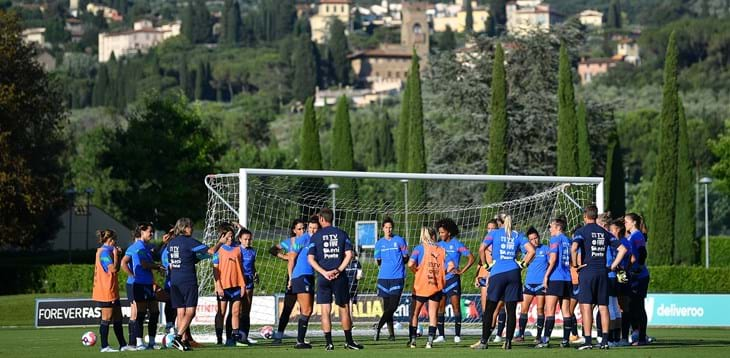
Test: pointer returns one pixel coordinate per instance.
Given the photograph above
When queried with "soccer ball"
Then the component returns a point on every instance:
(419, 331)
(167, 340)
(266, 332)
(88, 339)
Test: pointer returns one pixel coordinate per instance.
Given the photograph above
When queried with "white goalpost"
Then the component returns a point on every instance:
(267, 200)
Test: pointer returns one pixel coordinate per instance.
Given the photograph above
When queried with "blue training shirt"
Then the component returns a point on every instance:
(248, 260)
(183, 255)
(391, 253)
(638, 241)
(165, 261)
(504, 249)
(301, 264)
(538, 266)
(139, 252)
(595, 242)
(106, 257)
(330, 245)
(454, 250)
(560, 246)
(286, 245)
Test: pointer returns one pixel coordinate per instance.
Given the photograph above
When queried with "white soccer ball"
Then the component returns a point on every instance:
(266, 332)
(167, 340)
(419, 331)
(88, 339)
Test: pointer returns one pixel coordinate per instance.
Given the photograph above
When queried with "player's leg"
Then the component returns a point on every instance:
(154, 310)
(220, 314)
(413, 326)
(117, 321)
(441, 319)
(524, 310)
(244, 325)
(106, 317)
(456, 307)
(551, 302)
(342, 298)
(433, 319)
(132, 324)
(567, 320)
(290, 300)
(540, 317)
(305, 300)
(326, 322)
(140, 302)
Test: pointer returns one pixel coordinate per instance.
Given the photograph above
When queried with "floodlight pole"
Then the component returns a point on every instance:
(405, 201)
(334, 188)
(706, 181)
(71, 194)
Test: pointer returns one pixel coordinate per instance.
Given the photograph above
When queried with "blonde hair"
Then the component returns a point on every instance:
(181, 224)
(102, 236)
(428, 235)
(506, 223)
(604, 219)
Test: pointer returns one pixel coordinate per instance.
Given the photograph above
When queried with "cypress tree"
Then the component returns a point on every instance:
(615, 192)
(234, 24)
(402, 137)
(224, 36)
(686, 245)
(585, 162)
(100, 86)
(183, 79)
(386, 152)
(200, 81)
(305, 69)
(567, 124)
(337, 46)
(469, 21)
(310, 158)
(343, 157)
(664, 200)
(497, 155)
(188, 22)
(613, 18)
(310, 155)
(416, 146)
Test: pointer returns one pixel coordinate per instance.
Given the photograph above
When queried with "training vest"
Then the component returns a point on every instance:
(431, 273)
(106, 286)
(229, 268)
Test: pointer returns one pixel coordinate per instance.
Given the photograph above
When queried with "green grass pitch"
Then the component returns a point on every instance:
(18, 338)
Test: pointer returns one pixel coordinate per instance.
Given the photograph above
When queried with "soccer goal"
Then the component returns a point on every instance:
(266, 201)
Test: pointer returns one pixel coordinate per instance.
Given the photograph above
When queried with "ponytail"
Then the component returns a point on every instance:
(428, 235)
(102, 236)
(506, 223)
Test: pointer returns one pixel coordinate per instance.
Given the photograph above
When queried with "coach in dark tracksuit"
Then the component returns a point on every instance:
(592, 240)
(330, 251)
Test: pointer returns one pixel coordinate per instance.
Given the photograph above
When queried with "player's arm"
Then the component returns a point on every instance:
(620, 254)
(412, 265)
(469, 263)
(291, 260)
(575, 257)
(553, 258)
(345, 261)
(125, 265)
(527, 258)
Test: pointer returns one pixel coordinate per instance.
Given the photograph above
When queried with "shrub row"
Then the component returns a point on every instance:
(719, 251)
(79, 278)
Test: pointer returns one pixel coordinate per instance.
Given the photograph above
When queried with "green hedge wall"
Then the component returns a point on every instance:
(79, 279)
(719, 251)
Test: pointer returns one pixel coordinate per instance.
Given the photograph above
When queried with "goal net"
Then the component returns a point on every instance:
(267, 201)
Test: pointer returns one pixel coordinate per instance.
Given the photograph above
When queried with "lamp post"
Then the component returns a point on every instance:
(334, 188)
(405, 201)
(706, 181)
(88, 191)
(71, 195)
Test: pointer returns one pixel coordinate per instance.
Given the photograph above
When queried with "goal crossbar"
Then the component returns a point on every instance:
(244, 173)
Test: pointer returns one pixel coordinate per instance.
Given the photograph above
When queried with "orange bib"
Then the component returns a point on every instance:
(431, 272)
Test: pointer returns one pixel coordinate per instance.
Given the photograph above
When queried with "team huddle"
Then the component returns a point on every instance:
(602, 265)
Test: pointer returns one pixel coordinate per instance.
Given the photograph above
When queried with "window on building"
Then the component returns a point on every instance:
(327, 9)
(417, 29)
(390, 74)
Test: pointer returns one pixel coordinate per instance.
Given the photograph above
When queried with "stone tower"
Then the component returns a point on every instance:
(414, 29)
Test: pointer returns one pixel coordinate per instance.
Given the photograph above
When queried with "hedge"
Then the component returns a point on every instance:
(79, 279)
(719, 251)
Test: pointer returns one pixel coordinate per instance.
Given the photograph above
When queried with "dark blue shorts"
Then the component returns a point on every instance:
(574, 292)
(183, 296)
(562, 289)
(302, 284)
(435, 297)
(453, 286)
(140, 292)
(505, 286)
(483, 282)
(534, 289)
(338, 287)
(230, 294)
(249, 282)
(390, 287)
(115, 303)
(593, 288)
(639, 287)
